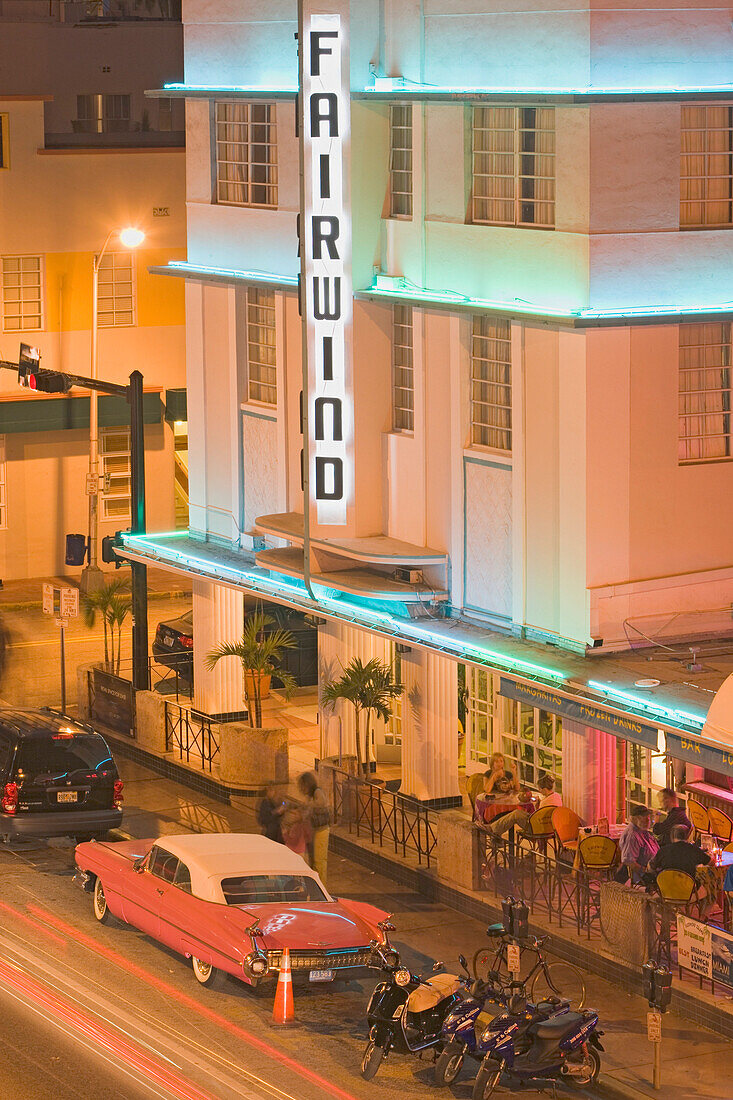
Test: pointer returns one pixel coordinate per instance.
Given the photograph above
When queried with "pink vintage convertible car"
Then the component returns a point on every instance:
(231, 902)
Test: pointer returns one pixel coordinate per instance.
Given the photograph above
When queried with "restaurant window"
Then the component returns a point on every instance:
(531, 741)
(403, 389)
(704, 392)
(393, 731)
(22, 293)
(246, 154)
(4, 142)
(706, 166)
(115, 451)
(641, 775)
(480, 702)
(400, 160)
(102, 114)
(514, 166)
(261, 368)
(116, 294)
(491, 383)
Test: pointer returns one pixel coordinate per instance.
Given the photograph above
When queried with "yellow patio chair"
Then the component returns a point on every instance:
(474, 786)
(698, 815)
(721, 825)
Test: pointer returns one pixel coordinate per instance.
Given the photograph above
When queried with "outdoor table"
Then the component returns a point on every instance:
(489, 811)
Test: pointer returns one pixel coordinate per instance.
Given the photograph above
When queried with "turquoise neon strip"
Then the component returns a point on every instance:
(649, 705)
(246, 89)
(366, 616)
(390, 85)
(186, 268)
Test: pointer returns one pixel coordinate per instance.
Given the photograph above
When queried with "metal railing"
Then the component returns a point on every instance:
(191, 735)
(174, 682)
(387, 818)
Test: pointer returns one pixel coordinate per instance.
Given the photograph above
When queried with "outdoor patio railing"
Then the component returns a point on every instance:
(387, 818)
(190, 734)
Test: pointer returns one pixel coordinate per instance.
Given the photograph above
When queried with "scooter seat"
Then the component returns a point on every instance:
(556, 1027)
(438, 988)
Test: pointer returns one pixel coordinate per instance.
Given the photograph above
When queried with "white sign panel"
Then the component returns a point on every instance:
(69, 603)
(513, 958)
(48, 599)
(654, 1027)
(705, 950)
(326, 296)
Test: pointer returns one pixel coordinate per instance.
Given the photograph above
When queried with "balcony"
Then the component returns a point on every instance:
(374, 567)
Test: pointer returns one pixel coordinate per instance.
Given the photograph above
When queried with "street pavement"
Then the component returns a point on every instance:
(225, 1042)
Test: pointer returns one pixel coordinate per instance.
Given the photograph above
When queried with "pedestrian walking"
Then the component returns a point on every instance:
(319, 818)
(270, 813)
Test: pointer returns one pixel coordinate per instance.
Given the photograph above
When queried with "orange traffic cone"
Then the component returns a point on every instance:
(283, 1011)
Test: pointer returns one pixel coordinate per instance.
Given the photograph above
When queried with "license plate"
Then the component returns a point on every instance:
(168, 641)
(321, 975)
(67, 796)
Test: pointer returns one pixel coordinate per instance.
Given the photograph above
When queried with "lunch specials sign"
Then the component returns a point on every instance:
(704, 950)
(326, 293)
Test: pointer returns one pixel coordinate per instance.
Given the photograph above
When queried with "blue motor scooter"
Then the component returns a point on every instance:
(524, 1048)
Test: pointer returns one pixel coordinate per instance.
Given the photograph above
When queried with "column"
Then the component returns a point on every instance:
(430, 727)
(218, 616)
(589, 771)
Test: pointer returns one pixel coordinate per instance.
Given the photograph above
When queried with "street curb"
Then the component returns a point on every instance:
(609, 1089)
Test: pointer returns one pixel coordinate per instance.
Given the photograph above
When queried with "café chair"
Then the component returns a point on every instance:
(721, 825)
(566, 825)
(598, 855)
(698, 815)
(474, 786)
(675, 891)
(539, 828)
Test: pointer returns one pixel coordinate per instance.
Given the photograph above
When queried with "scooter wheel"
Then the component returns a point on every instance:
(449, 1064)
(590, 1069)
(487, 1082)
(372, 1060)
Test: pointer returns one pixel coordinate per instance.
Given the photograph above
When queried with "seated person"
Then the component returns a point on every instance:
(638, 846)
(676, 816)
(499, 780)
(521, 816)
(679, 855)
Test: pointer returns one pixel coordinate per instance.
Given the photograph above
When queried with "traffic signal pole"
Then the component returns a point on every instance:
(60, 382)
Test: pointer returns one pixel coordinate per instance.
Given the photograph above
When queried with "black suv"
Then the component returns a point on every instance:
(57, 777)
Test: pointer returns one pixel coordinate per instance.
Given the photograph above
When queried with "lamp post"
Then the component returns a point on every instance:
(92, 577)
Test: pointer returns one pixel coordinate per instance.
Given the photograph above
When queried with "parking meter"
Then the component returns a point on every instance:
(521, 920)
(662, 988)
(648, 971)
(507, 912)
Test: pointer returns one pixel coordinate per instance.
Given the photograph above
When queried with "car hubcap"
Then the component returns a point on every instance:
(100, 901)
(203, 969)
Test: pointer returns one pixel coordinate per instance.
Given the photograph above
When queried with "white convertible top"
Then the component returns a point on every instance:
(210, 857)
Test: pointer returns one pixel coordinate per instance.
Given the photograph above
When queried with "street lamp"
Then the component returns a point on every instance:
(92, 577)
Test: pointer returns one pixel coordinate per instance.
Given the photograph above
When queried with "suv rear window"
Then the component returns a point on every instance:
(43, 760)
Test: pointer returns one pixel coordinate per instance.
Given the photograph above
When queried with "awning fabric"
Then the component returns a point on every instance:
(712, 748)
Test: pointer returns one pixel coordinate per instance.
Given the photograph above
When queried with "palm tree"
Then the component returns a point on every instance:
(113, 604)
(370, 688)
(259, 651)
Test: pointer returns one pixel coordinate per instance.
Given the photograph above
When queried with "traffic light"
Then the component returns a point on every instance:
(76, 549)
(108, 544)
(29, 364)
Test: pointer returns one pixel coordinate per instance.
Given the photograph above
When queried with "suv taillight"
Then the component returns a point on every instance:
(9, 800)
(117, 796)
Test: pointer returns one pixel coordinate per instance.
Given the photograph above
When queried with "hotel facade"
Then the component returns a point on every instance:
(540, 206)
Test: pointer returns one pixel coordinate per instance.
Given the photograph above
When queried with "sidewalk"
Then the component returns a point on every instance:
(694, 1060)
(26, 595)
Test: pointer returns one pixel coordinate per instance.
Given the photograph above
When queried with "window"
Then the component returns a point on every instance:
(22, 293)
(3, 486)
(706, 166)
(246, 154)
(641, 775)
(183, 878)
(532, 740)
(261, 370)
(162, 864)
(115, 450)
(403, 390)
(102, 114)
(514, 166)
(491, 383)
(393, 729)
(261, 889)
(4, 142)
(479, 713)
(705, 392)
(400, 160)
(165, 113)
(116, 299)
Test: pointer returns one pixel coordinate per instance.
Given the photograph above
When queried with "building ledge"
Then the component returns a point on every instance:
(364, 583)
(376, 549)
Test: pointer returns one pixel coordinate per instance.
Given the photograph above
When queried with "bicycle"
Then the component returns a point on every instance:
(560, 979)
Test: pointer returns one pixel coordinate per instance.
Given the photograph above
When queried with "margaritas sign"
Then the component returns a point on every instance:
(326, 295)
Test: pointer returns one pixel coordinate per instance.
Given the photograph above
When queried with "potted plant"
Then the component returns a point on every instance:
(259, 651)
(370, 688)
(112, 602)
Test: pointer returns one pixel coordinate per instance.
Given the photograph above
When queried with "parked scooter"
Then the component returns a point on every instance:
(539, 1052)
(406, 1012)
(467, 1030)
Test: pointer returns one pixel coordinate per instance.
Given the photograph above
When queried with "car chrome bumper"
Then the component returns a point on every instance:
(61, 823)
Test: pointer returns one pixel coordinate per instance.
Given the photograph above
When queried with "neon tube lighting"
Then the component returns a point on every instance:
(387, 85)
(673, 713)
(368, 616)
(289, 89)
(230, 273)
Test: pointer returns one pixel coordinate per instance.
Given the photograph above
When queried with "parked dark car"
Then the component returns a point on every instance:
(57, 777)
(173, 645)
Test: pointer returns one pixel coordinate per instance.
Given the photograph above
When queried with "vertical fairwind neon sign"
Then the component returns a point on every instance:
(325, 244)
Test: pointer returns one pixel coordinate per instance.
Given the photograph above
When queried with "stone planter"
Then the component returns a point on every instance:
(249, 685)
(251, 758)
